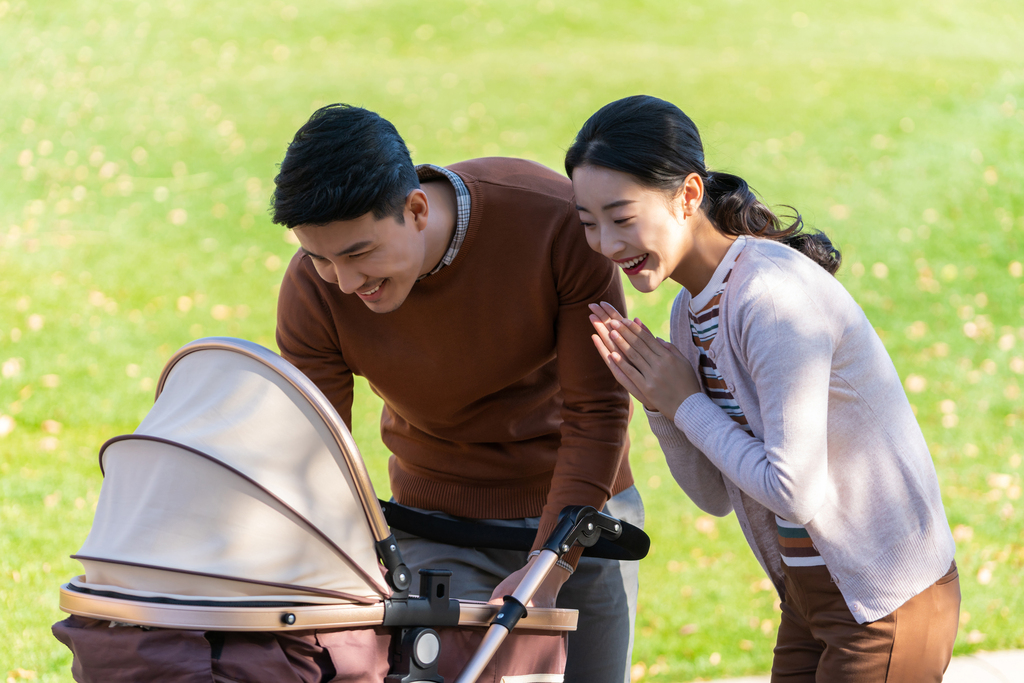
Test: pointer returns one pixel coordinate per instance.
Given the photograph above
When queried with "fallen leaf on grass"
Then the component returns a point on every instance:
(659, 667)
(11, 368)
(915, 384)
(999, 481)
(706, 525)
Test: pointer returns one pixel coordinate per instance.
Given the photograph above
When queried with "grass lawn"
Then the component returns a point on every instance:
(138, 145)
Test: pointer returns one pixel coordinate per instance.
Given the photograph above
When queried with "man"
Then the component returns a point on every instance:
(461, 295)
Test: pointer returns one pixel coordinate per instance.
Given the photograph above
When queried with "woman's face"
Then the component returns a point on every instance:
(643, 230)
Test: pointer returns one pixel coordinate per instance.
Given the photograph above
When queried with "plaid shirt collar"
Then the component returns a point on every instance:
(462, 205)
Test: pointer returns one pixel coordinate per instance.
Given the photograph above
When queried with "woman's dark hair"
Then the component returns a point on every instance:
(656, 143)
(343, 163)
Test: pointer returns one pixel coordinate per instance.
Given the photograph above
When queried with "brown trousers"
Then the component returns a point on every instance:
(820, 641)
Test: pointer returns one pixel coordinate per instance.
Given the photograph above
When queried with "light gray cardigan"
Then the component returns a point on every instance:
(835, 444)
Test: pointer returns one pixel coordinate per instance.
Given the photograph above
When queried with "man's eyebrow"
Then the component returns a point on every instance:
(358, 246)
(612, 205)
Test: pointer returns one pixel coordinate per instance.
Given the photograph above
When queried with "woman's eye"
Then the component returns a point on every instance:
(623, 221)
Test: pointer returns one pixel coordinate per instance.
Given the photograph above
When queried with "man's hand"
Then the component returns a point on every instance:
(545, 595)
(651, 369)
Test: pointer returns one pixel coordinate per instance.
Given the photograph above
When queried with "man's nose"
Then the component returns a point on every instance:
(349, 280)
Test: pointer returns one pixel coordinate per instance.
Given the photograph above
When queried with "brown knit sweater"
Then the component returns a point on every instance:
(496, 403)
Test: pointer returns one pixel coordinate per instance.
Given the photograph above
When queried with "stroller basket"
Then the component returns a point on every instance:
(241, 505)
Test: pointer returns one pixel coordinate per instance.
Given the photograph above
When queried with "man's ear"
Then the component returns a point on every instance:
(417, 209)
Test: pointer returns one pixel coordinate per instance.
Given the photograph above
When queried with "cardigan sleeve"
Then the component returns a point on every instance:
(782, 339)
(691, 469)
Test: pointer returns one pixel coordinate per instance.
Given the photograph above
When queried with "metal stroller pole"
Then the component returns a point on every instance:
(577, 525)
(511, 612)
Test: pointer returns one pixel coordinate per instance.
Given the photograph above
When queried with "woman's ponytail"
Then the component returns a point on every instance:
(656, 143)
(734, 209)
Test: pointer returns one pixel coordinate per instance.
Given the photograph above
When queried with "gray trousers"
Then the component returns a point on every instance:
(604, 591)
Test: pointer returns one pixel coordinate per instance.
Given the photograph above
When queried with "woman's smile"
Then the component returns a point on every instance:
(634, 265)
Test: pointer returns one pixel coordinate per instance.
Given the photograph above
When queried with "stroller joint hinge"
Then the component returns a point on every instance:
(398, 575)
(511, 612)
(433, 607)
(583, 525)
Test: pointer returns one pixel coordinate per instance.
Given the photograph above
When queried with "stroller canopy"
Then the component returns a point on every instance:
(241, 486)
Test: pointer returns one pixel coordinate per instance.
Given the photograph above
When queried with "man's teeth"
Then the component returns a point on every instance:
(373, 291)
(626, 265)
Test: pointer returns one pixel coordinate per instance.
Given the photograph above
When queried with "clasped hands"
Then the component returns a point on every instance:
(651, 369)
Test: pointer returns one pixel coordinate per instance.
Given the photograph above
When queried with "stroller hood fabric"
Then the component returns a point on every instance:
(235, 489)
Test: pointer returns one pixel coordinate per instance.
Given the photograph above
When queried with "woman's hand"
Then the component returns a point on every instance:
(651, 369)
(601, 318)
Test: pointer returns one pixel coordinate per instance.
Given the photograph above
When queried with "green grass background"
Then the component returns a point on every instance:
(139, 141)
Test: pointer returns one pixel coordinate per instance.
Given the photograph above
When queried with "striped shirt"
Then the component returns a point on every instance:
(795, 544)
(462, 206)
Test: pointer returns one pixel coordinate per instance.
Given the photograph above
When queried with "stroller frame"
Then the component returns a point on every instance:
(416, 650)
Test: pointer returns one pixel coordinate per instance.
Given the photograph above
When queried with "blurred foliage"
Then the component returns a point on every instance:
(139, 141)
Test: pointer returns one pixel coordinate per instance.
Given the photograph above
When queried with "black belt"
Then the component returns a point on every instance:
(633, 544)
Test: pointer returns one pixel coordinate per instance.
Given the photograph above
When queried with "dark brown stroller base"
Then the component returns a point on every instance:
(129, 654)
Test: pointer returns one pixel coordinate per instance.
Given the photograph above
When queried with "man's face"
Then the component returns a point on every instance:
(377, 260)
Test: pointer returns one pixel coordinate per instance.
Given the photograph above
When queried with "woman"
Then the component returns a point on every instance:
(775, 399)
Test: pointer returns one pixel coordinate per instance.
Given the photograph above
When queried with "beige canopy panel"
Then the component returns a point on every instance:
(241, 486)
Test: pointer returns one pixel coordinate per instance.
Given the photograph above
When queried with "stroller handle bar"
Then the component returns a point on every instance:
(582, 525)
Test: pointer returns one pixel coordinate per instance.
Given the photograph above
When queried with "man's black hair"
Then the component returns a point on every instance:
(343, 163)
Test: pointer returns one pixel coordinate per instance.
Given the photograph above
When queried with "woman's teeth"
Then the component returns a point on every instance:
(633, 263)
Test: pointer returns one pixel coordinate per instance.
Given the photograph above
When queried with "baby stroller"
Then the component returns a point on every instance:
(238, 538)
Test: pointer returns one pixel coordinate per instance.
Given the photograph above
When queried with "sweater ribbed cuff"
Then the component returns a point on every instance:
(668, 434)
(696, 417)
